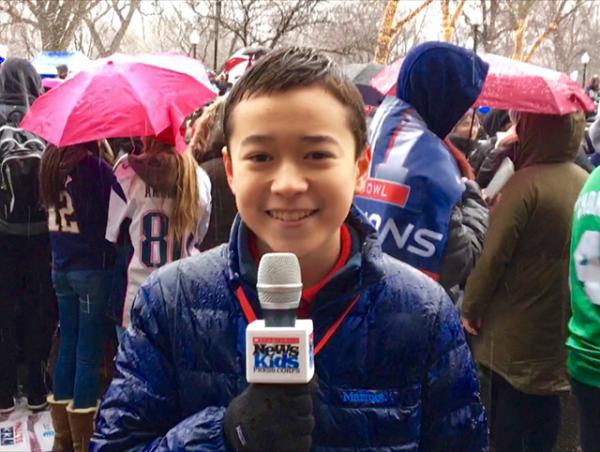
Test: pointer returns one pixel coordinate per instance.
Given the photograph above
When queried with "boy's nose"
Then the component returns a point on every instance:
(288, 181)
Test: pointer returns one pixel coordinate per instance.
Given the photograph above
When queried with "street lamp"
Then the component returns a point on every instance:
(216, 43)
(476, 22)
(474, 18)
(194, 40)
(585, 59)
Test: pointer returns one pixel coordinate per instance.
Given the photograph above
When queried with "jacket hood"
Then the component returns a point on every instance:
(441, 81)
(21, 84)
(548, 138)
(157, 169)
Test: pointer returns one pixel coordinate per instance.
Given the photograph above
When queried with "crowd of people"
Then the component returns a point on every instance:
(592, 88)
(455, 318)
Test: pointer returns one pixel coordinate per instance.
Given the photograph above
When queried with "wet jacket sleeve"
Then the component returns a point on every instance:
(479, 154)
(140, 410)
(506, 226)
(467, 229)
(453, 416)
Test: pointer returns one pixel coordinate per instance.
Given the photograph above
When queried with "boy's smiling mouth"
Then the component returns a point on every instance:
(290, 215)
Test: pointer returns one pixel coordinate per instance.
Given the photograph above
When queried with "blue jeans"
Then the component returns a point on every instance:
(82, 304)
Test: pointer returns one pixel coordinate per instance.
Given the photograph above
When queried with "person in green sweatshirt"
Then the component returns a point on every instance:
(583, 343)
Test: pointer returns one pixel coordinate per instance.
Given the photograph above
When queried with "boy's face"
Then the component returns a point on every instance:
(292, 168)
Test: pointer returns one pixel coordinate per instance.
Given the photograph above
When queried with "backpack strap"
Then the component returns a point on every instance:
(15, 116)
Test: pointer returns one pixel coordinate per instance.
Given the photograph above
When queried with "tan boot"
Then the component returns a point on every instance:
(82, 426)
(60, 421)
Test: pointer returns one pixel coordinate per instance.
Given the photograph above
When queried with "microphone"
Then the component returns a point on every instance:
(279, 287)
(279, 348)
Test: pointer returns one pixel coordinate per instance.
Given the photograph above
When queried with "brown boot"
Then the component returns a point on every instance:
(60, 421)
(81, 421)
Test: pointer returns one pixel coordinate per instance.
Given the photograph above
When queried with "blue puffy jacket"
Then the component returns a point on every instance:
(397, 374)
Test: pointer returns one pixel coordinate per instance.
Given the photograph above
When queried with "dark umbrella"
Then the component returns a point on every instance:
(370, 95)
(361, 74)
(255, 52)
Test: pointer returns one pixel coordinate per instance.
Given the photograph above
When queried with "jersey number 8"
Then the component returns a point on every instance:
(156, 242)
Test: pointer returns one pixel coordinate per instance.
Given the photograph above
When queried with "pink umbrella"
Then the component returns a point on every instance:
(234, 61)
(385, 80)
(122, 96)
(513, 85)
(49, 83)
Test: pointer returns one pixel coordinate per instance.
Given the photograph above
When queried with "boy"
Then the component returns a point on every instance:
(395, 372)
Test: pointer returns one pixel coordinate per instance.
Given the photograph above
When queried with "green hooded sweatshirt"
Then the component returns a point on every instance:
(583, 343)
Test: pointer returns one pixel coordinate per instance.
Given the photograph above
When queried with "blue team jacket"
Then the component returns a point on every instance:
(396, 376)
(414, 183)
(82, 217)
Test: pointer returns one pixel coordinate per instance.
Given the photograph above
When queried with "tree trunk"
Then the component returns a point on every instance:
(520, 39)
(59, 21)
(446, 27)
(385, 32)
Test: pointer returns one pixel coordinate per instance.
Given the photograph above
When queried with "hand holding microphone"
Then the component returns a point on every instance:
(275, 412)
(279, 348)
(271, 417)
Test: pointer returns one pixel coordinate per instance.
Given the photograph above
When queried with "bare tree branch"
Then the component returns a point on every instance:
(124, 10)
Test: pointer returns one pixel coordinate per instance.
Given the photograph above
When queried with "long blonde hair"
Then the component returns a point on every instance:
(205, 126)
(186, 213)
(106, 152)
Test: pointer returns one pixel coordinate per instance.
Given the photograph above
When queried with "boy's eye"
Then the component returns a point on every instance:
(260, 158)
(318, 155)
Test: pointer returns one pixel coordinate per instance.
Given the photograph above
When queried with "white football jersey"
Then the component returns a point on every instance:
(150, 214)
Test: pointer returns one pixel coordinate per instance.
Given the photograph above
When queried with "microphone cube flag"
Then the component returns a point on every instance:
(280, 354)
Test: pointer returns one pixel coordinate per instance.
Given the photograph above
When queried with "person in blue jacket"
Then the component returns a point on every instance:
(393, 371)
(421, 194)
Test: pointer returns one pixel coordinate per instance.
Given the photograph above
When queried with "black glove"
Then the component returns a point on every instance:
(271, 417)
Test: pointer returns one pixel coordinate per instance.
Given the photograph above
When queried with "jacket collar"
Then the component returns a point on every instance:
(362, 270)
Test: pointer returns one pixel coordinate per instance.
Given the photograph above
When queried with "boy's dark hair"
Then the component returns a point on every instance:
(293, 68)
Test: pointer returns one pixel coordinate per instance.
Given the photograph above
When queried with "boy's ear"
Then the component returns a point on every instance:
(362, 165)
(228, 168)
